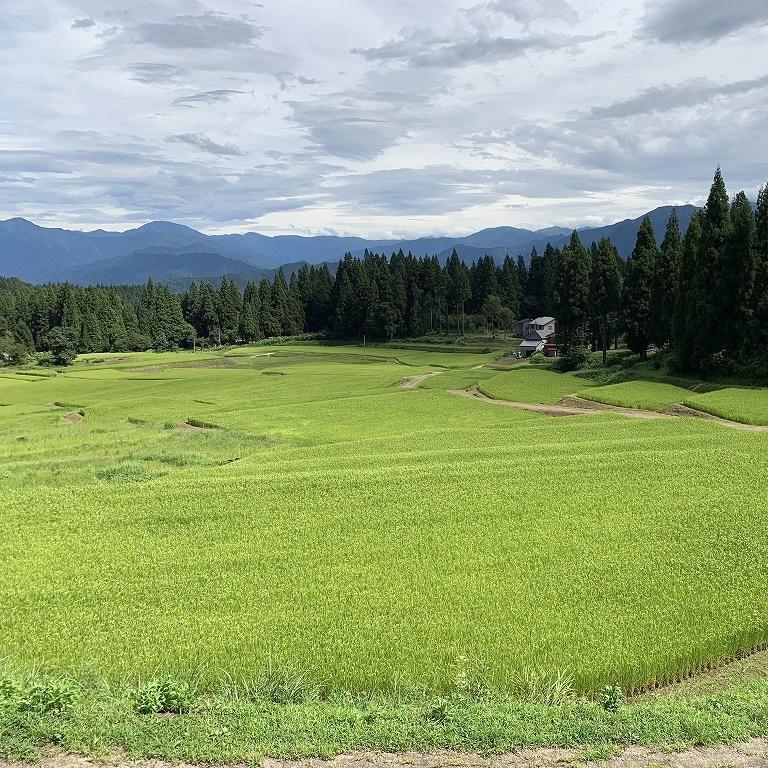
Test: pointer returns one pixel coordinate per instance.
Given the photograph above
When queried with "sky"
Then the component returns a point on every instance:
(378, 118)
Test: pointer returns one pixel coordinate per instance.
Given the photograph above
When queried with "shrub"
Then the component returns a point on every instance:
(576, 359)
(164, 695)
(612, 697)
(36, 694)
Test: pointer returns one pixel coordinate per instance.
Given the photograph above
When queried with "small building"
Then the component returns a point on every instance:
(538, 336)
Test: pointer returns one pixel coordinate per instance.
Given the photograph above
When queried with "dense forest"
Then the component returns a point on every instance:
(702, 294)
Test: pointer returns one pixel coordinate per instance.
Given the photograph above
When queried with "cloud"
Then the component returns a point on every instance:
(206, 97)
(83, 23)
(698, 21)
(527, 11)
(667, 97)
(230, 43)
(202, 142)
(155, 73)
(208, 30)
(287, 79)
(479, 49)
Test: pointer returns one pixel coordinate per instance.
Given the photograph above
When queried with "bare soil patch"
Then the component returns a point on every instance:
(547, 410)
(748, 754)
(573, 401)
(73, 418)
(412, 382)
(678, 409)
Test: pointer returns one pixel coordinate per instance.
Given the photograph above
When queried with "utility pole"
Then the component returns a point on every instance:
(363, 345)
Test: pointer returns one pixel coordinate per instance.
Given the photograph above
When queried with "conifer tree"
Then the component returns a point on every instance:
(664, 286)
(573, 294)
(708, 283)
(509, 287)
(757, 333)
(738, 276)
(604, 289)
(684, 317)
(637, 289)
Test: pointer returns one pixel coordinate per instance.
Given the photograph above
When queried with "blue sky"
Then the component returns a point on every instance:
(398, 118)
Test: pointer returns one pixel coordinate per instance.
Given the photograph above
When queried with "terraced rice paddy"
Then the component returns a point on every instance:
(749, 406)
(368, 535)
(648, 395)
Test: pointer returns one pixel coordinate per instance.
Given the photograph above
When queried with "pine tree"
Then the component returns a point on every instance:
(684, 317)
(604, 289)
(573, 294)
(230, 305)
(522, 281)
(458, 288)
(664, 286)
(738, 276)
(708, 284)
(250, 329)
(534, 301)
(509, 287)
(637, 289)
(268, 320)
(757, 333)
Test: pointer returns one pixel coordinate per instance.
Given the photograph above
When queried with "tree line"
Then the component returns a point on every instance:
(702, 294)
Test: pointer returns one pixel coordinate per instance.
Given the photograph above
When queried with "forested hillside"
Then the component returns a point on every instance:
(702, 293)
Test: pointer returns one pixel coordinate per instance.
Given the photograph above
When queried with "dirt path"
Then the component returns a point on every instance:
(678, 409)
(413, 381)
(573, 401)
(548, 410)
(570, 406)
(749, 754)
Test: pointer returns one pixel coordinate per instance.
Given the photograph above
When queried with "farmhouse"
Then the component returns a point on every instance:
(538, 336)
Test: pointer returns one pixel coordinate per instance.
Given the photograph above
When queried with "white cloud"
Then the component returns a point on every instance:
(449, 116)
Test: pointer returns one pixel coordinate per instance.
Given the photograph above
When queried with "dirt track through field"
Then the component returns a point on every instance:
(683, 410)
(749, 754)
(572, 405)
(413, 381)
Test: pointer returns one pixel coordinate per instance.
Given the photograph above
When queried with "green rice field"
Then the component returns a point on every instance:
(749, 406)
(293, 506)
(648, 395)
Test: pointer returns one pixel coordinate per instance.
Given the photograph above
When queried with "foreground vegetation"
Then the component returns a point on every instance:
(286, 719)
(302, 557)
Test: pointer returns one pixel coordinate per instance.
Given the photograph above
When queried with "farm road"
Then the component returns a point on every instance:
(749, 754)
(572, 405)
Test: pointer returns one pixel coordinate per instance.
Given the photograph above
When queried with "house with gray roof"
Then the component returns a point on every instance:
(538, 336)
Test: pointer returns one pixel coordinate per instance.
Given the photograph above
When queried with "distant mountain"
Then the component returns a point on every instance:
(623, 234)
(172, 252)
(159, 263)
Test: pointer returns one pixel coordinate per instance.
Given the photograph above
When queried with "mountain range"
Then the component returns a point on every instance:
(176, 254)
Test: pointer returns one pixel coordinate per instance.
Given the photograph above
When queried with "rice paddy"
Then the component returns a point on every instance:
(297, 509)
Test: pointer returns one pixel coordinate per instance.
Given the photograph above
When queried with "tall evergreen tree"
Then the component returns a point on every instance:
(604, 289)
(738, 276)
(458, 288)
(573, 294)
(708, 283)
(666, 277)
(684, 327)
(757, 334)
(637, 289)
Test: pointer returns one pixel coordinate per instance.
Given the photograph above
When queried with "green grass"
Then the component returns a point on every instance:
(531, 385)
(368, 538)
(226, 726)
(749, 406)
(648, 395)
